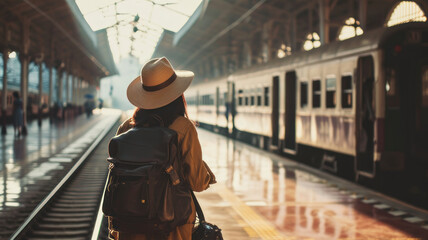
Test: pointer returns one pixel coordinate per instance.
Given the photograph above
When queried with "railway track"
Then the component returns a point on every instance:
(71, 209)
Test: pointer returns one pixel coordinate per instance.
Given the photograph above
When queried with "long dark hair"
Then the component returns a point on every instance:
(163, 116)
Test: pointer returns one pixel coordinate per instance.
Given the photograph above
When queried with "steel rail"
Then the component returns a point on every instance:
(23, 229)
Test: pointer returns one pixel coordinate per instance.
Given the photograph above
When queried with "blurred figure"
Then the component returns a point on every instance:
(100, 103)
(89, 105)
(18, 114)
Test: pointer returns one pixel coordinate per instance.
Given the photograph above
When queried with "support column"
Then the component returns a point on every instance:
(266, 42)
(77, 91)
(73, 90)
(4, 92)
(363, 14)
(73, 95)
(293, 33)
(50, 100)
(65, 112)
(50, 66)
(324, 13)
(67, 87)
(60, 86)
(59, 104)
(25, 60)
(39, 121)
(247, 54)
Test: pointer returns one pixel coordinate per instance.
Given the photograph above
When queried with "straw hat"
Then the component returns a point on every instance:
(158, 85)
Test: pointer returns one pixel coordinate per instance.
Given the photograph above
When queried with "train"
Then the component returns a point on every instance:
(356, 108)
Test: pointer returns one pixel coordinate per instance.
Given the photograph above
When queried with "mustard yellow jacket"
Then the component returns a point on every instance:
(199, 175)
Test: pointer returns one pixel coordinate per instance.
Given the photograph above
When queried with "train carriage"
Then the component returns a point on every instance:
(357, 108)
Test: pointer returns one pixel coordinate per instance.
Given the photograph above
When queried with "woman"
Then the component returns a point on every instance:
(158, 95)
(18, 114)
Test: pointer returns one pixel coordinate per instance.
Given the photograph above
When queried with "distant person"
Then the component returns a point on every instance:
(18, 114)
(158, 95)
(100, 103)
(89, 106)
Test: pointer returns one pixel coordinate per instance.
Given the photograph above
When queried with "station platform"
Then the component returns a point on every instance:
(259, 195)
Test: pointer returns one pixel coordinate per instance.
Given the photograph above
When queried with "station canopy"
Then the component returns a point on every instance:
(219, 28)
(57, 33)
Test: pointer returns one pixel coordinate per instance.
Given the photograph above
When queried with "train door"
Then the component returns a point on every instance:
(290, 112)
(231, 109)
(275, 112)
(365, 116)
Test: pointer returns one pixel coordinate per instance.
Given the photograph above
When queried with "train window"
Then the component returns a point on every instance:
(303, 94)
(207, 100)
(425, 87)
(316, 93)
(259, 100)
(252, 101)
(266, 96)
(211, 99)
(347, 92)
(330, 97)
(240, 92)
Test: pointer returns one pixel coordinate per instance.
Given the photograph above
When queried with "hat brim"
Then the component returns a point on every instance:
(141, 98)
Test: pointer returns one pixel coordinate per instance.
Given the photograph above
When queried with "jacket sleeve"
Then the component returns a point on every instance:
(198, 176)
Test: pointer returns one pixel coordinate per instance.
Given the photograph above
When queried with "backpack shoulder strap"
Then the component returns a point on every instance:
(198, 208)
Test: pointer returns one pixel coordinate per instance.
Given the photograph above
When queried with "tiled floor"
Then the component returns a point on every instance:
(296, 203)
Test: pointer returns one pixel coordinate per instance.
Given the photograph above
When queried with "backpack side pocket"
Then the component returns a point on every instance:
(131, 197)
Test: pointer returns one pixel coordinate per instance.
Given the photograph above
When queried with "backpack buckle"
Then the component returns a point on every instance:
(172, 175)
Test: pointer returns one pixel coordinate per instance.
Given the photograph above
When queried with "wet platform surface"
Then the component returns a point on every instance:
(31, 166)
(260, 195)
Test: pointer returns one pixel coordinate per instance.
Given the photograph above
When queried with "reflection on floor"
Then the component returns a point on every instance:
(298, 204)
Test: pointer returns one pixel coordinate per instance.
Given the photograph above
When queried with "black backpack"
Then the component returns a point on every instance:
(145, 191)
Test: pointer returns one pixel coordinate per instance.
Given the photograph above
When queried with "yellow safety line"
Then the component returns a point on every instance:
(262, 227)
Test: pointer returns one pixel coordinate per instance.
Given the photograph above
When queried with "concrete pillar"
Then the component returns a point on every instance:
(247, 54)
(79, 92)
(25, 60)
(266, 42)
(50, 100)
(60, 86)
(40, 93)
(324, 14)
(4, 92)
(67, 87)
(73, 90)
(363, 14)
(293, 33)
